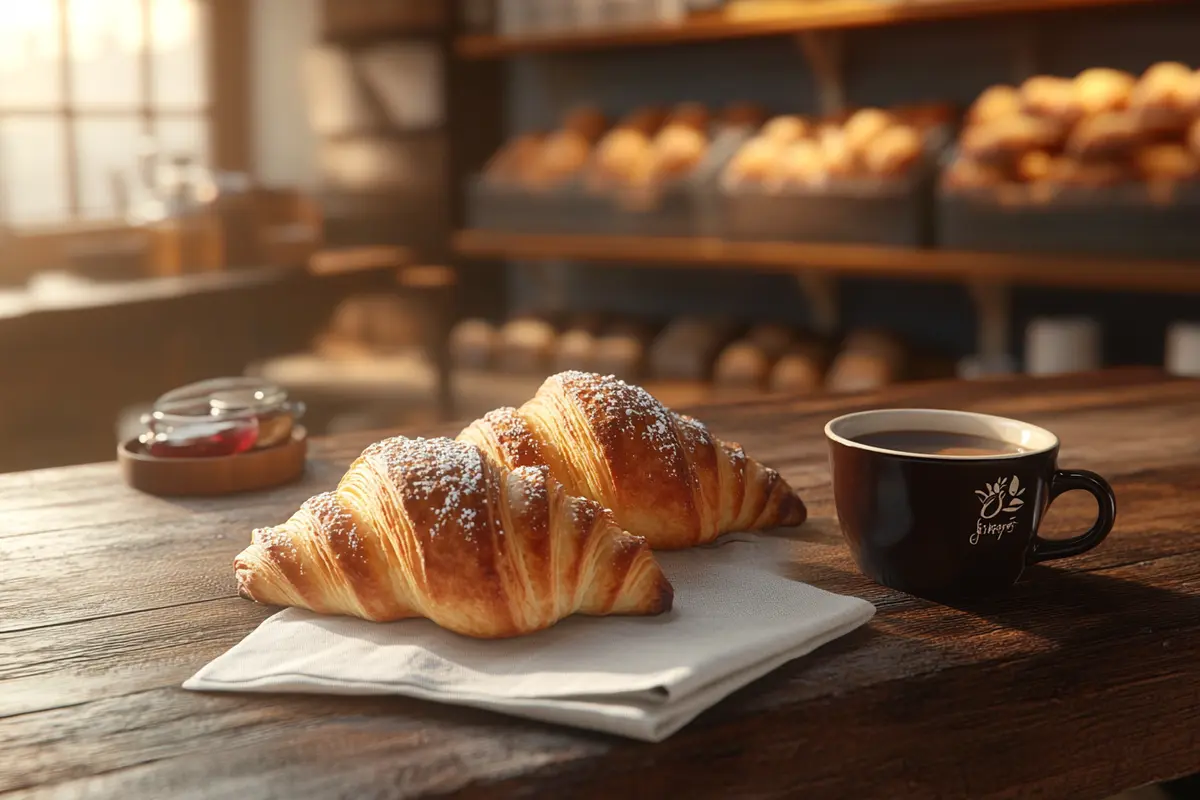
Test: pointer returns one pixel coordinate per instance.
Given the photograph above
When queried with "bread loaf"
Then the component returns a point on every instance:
(893, 152)
(1110, 135)
(864, 126)
(474, 344)
(1053, 98)
(622, 350)
(868, 360)
(996, 102)
(742, 365)
(687, 348)
(1101, 89)
(575, 349)
(774, 339)
(527, 346)
(786, 129)
(800, 370)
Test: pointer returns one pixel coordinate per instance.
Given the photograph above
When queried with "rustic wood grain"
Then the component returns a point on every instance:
(1029, 269)
(773, 18)
(110, 599)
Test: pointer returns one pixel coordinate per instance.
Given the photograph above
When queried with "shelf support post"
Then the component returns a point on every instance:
(825, 52)
(821, 291)
(993, 316)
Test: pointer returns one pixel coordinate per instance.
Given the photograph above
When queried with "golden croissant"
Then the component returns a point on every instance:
(429, 528)
(665, 477)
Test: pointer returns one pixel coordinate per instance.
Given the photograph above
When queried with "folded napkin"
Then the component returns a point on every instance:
(736, 618)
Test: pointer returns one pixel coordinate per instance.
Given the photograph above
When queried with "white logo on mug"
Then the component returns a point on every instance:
(1001, 497)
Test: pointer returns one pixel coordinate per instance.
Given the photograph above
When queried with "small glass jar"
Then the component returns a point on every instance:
(219, 417)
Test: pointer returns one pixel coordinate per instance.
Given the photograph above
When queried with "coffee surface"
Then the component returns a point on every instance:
(939, 443)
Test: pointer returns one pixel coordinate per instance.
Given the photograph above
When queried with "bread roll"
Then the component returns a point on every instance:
(1100, 89)
(393, 325)
(966, 173)
(742, 365)
(563, 155)
(1052, 98)
(801, 370)
(1070, 171)
(893, 152)
(588, 122)
(754, 162)
(786, 130)
(1034, 166)
(839, 158)
(621, 155)
(687, 348)
(1163, 86)
(1166, 162)
(864, 126)
(474, 344)
(1193, 138)
(868, 360)
(527, 346)
(1004, 141)
(996, 102)
(678, 149)
(774, 339)
(1191, 95)
(801, 164)
(516, 160)
(1107, 136)
(622, 350)
(575, 349)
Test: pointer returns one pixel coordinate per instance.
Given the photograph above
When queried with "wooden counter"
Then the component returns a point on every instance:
(1082, 681)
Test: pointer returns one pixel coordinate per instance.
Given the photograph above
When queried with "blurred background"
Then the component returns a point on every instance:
(405, 211)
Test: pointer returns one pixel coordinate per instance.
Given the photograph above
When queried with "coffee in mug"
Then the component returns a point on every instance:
(947, 504)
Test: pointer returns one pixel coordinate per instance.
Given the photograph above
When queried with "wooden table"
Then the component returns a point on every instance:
(1082, 681)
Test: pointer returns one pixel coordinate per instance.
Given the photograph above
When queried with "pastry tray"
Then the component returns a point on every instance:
(1132, 220)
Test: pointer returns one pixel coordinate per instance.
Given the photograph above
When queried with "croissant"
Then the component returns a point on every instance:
(429, 528)
(663, 475)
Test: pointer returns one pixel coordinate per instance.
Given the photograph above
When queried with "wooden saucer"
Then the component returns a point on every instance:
(206, 477)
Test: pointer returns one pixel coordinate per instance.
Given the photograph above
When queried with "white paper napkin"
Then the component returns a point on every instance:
(736, 618)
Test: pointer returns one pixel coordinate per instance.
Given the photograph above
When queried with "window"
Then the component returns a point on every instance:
(86, 88)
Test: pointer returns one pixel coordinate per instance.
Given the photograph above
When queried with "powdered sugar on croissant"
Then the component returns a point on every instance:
(430, 528)
(663, 474)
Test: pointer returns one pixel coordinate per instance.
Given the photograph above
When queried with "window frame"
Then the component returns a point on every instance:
(226, 110)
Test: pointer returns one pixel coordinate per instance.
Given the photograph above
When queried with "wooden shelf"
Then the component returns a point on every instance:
(774, 18)
(921, 264)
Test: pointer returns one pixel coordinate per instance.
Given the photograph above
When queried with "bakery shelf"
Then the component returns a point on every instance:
(764, 19)
(896, 262)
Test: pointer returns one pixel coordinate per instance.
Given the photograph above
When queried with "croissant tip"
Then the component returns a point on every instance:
(666, 597)
(792, 511)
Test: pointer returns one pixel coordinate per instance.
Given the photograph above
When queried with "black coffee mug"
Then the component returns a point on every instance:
(953, 526)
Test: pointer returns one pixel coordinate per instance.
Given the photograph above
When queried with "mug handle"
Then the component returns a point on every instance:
(1066, 481)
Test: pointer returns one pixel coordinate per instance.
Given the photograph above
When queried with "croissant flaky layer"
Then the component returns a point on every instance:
(663, 474)
(430, 528)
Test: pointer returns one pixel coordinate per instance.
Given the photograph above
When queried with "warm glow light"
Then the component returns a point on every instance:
(29, 28)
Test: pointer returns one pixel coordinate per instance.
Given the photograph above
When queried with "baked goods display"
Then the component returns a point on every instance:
(861, 176)
(690, 357)
(433, 528)
(1104, 127)
(1104, 162)
(663, 475)
(797, 152)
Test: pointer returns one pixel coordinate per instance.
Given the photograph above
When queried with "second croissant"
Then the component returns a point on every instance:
(663, 475)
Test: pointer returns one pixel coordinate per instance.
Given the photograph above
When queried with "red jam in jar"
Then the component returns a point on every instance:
(219, 417)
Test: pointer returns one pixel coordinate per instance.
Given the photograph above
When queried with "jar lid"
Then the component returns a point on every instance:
(222, 396)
